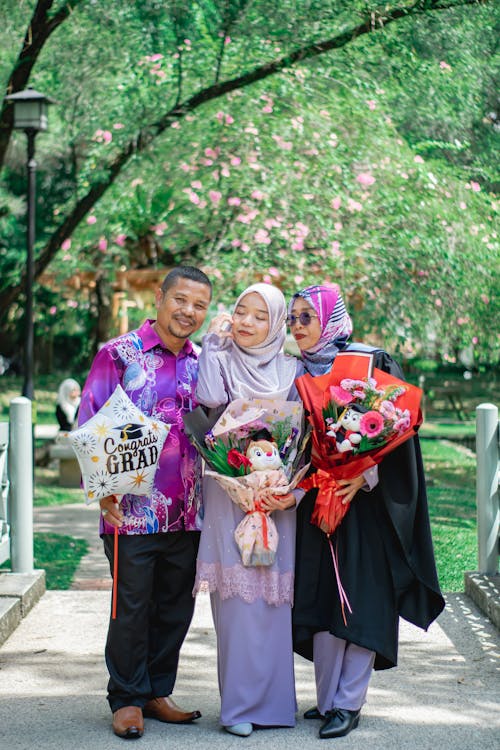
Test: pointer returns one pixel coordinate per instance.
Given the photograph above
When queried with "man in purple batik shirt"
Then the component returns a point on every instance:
(157, 366)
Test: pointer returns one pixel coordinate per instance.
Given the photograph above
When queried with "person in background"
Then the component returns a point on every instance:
(67, 403)
(384, 545)
(251, 606)
(157, 366)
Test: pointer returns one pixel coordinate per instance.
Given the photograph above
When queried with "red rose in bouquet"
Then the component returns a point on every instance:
(237, 459)
(359, 414)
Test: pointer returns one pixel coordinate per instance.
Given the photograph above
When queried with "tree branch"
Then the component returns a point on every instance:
(147, 134)
(220, 55)
(179, 79)
(39, 29)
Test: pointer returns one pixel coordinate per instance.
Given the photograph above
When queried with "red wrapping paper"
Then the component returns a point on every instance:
(331, 464)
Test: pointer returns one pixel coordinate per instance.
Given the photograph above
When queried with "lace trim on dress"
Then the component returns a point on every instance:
(249, 584)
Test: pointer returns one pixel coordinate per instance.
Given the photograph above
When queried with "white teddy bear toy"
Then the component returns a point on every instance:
(346, 430)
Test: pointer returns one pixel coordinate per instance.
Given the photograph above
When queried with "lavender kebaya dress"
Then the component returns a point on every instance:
(252, 616)
(251, 606)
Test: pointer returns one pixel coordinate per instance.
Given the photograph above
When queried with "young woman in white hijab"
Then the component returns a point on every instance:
(242, 357)
(67, 403)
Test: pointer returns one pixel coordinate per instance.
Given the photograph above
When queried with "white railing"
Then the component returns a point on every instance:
(4, 493)
(16, 487)
(487, 496)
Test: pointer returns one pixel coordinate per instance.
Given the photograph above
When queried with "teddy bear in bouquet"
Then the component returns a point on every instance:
(256, 535)
(346, 430)
(264, 455)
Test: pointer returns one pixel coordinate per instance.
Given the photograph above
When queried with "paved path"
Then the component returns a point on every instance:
(444, 695)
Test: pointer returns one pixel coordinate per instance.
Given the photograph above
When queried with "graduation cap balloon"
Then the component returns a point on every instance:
(118, 449)
(130, 430)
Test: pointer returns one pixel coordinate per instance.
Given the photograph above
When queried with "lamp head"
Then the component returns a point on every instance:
(30, 109)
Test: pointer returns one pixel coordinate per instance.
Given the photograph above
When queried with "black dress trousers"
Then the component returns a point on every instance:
(155, 606)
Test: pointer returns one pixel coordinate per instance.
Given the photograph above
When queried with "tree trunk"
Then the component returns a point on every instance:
(103, 300)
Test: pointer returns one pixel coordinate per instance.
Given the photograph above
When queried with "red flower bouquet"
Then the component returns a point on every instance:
(359, 414)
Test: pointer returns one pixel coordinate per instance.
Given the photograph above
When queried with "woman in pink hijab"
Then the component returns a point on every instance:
(383, 545)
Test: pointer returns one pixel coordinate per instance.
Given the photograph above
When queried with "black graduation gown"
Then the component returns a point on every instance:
(385, 559)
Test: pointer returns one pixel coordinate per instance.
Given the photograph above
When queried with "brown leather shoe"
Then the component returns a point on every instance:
(128, 723)
(164, 709)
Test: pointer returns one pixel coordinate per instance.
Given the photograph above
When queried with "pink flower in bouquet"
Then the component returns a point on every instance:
(403, 423)
(388, 410)
(237, 459)
(244, 430)
(371, 424)
(340, 395)
(349, 384)
(359, 393)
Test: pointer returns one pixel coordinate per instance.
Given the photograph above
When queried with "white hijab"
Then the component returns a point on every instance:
(68, 404)
(262, 371)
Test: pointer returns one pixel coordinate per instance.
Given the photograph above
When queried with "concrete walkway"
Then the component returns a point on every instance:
(445, 693)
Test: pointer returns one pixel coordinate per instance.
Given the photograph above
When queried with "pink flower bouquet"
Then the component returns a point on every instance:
(244, 468)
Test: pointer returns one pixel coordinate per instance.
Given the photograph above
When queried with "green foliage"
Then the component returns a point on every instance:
(424, 365)
(216, 456)
(442, 78)
(330, 412)
(373, 166)
(281, 432)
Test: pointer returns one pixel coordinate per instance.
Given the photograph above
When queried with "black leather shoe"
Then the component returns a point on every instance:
(339, 722)
(313, 713)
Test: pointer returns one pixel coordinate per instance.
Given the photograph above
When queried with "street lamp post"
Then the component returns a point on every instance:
(30, 115)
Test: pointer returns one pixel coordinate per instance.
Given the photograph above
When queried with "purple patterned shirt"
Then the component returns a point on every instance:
(161, 385)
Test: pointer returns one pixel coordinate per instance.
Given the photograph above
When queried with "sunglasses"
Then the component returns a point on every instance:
(305, 319)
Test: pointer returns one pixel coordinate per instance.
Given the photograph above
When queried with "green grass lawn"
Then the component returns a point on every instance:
(58, 554)
(448, 430)
(48, 492)
(450, 471)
